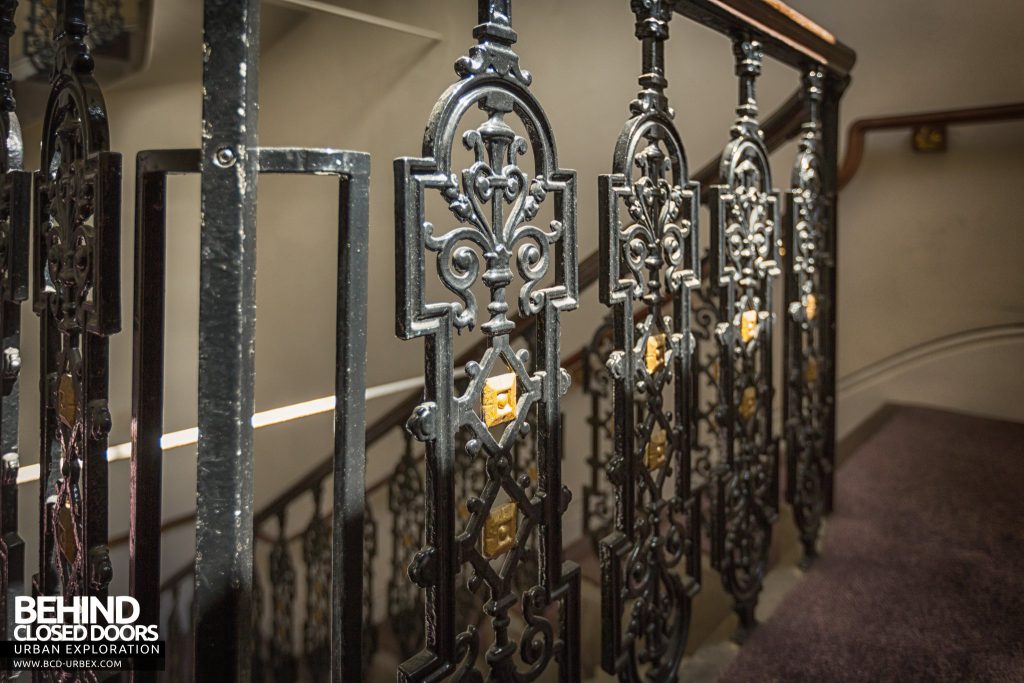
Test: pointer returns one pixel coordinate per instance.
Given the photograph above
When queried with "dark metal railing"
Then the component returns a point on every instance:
(684, 444)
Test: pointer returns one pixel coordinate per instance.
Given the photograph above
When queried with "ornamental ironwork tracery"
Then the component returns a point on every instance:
(650, 563)
(745, 261)
(76, 228)
(808, 403)
(495, 245)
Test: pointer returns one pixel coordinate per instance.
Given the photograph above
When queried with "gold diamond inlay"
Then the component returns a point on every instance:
(67, 404)
(811, 307)
(811, 371)
(500, 530)
(748, 325)
(655, 352)
(748, 403)
(66, 533)
(499, 401)
(654, 453)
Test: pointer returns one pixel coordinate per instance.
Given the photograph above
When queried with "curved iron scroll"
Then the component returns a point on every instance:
(650, 563)
(808, 403)
(494, 203)
(76, 293)
(745, 258)
(15, 200)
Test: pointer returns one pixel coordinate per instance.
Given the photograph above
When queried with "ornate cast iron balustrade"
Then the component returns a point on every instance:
(745, 261)
(494, 203)
(488, 516)
(15, 201)
(76, 292)
(808, 402)
(650, 563)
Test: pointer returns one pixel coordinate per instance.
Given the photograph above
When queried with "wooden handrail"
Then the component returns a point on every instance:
(786, 35)
(861, 127)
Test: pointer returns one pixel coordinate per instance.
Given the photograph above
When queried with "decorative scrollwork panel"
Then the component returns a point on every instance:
(808, 404)
(745, 262)
(495, 244)
(649, 231)
(76, 230)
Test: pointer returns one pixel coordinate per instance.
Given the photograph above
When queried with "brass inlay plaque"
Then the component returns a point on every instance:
(748, 325)
(66, 534)
(500, 530)
(67, 404)
(811, 307)
(654, 453)
(811, 371)
(748, 403)
(654, 355)
(499, 402)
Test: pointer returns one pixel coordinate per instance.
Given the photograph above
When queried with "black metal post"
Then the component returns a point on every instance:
(834, 88)
(152, 168)
(227, 335)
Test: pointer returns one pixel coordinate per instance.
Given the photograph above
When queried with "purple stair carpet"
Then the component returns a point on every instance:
(922, 574)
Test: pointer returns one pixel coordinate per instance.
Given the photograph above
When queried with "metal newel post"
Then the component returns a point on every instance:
(227, 326)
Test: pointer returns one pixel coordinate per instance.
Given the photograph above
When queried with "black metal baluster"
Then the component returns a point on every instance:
(370, 635)
(15, 203)
(283, 662)
(76, 293)
(259, 659)
(833, 89)
(316, 556)
(598, 494)
(405, 599)
(745, 261)
(227, 330)
(151, 170)
(807, 262)
(493, 203)
(650, 562)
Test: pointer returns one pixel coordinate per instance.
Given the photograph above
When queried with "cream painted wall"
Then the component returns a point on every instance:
(928, 244)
